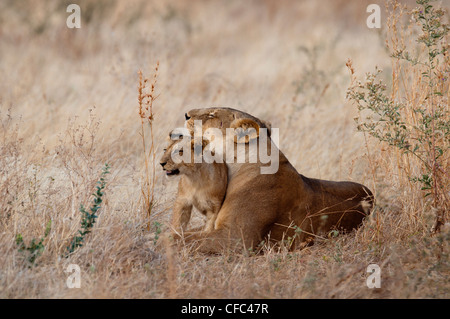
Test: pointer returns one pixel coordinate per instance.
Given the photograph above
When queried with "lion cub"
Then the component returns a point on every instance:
(202, 185)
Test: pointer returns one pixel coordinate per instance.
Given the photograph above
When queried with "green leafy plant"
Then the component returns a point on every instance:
(413, 119)
(158, 231)
(35, 248)
(89, 218)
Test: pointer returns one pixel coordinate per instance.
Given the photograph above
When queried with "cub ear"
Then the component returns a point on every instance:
(245, 130)
(178, 134)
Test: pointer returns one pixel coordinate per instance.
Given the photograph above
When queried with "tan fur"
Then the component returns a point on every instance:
(223, 118)
(202, 185)
(242, 127)
(258, 207)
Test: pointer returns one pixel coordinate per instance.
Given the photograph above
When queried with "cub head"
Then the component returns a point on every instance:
(179, 155)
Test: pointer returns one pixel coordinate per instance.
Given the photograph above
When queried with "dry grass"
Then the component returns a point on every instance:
(68, 104)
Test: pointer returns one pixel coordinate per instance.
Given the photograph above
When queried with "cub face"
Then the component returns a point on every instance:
(169, 166)
(184, 164)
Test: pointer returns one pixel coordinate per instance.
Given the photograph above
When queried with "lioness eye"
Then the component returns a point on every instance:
(180, 152)
(165, 149)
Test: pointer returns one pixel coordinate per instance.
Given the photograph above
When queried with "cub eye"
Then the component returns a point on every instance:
(211, 116)
(164, 149)
(180, 152)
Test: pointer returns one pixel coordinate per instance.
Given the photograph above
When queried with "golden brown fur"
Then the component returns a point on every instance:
(258, 207)
(202, 185)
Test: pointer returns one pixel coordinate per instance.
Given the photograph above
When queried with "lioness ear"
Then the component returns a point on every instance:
(245, 130)
(268, 126)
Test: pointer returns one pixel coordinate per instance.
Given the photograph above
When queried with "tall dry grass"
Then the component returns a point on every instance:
(145, 100)
(69, 105)
(409, 116)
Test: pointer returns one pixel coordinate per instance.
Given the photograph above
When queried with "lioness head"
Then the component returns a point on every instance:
(237, 137)
(174, 161)
(223, 118)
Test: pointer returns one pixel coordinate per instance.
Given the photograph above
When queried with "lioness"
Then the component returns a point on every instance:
(202, 185)
(274, 206)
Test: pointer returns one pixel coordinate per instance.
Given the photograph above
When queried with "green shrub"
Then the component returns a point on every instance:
(414, 119)
(88, 218)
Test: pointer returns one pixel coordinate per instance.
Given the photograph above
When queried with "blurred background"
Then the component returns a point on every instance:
(71, 94)
(283, 61)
